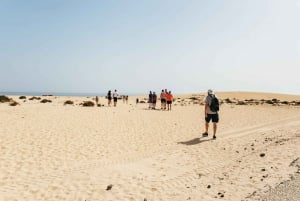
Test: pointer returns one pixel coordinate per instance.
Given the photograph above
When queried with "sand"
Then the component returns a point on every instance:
(54, 152)
(288, 190)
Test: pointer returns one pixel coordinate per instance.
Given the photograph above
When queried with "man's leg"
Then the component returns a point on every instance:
(215, 128)
(206, 127)
(215, 120)
(205, 134)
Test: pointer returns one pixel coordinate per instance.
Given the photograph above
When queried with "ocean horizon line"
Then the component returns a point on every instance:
(78, 94)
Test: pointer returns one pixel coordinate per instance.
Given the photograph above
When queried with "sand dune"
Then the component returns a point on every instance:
(51, 151)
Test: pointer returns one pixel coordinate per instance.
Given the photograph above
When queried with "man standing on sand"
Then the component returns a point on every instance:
(150, 100)
(163, 100)
(109, 97)
(169, 100)
(115, 97)
(209, 114)
(97, 100)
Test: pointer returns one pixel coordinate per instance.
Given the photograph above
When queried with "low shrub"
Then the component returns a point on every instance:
(14, 103)
(88, 104)
(68, 102)
(35, 98)
(46, 101)
(4, 99)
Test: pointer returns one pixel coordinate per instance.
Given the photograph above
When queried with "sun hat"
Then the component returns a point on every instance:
(210, 91)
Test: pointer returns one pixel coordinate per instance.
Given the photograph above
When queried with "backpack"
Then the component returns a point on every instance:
(214, 105)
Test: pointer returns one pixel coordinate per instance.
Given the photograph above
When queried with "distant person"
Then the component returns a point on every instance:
(166, 92)
(169, 100)
(154, 98)
(211, 112)
(115, 97)
(150, 99)
(137, 100)
(163, 100)
(109, 97)
(126, 99)
(97, 100)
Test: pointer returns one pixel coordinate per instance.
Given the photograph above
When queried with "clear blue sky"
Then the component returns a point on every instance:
(138, 45)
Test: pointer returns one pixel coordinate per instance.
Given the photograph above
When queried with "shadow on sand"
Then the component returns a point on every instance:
(195, 141)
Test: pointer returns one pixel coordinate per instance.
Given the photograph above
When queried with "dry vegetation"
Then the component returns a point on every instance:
(69, 102)
(88, 104)
(5, 99)
(46, 101)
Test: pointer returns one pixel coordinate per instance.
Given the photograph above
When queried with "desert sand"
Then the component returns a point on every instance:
(55, 152)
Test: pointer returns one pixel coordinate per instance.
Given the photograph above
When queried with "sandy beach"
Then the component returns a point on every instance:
(55, 152)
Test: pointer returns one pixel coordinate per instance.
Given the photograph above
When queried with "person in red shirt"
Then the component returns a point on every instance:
(163, 100)
(169, 100)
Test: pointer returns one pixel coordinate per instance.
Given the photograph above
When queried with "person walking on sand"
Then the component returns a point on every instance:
(154, 98)
(115, 97)
(169, 100)
(97, 100)
(109, 97)
(211, 112)
(163, 100)
(150, 100)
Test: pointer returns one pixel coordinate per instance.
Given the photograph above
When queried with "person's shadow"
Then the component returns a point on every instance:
(195, 141)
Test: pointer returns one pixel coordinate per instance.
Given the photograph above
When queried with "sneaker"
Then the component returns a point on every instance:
(214, 137)
(204, 134)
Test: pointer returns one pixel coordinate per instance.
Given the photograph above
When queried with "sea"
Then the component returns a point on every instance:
(60, 94)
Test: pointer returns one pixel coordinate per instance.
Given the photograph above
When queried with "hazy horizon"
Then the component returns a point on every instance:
(138, 46)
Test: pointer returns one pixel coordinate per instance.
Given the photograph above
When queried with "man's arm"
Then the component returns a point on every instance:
(205, 109)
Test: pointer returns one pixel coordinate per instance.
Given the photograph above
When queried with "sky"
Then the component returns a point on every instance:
(135, 46)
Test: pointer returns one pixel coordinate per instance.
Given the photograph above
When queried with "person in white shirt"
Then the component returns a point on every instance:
(210, 115)
(115, 97)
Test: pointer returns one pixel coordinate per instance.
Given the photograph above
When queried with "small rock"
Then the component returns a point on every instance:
(109, 187)
(209, 186)
(221, 195)
(262, 155)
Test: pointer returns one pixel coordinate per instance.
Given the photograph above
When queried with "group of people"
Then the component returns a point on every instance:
(166, 99)
(113, 96)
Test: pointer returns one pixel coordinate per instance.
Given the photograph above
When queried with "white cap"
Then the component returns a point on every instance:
(210, 91)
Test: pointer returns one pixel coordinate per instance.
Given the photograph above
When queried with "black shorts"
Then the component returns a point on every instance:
(115, 99)
(162, 100)
(213, 117)
(169, 102)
